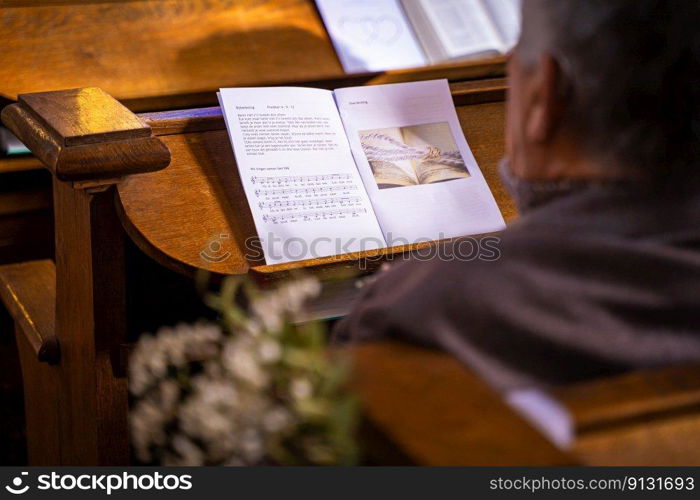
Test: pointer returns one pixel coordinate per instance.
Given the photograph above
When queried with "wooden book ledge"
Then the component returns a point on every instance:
(173, 215)
(175, 225)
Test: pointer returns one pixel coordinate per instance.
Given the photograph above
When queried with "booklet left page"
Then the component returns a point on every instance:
(302, 185)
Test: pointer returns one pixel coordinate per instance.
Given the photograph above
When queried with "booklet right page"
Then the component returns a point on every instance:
(415, 162)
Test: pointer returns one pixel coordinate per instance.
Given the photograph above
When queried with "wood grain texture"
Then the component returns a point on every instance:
(213, 212)
(19, 164)
(41, 404)
(648, 418)
(85, 134)
(90, 326)
(28, 291)
(76, 411)
(663, 442)
(155, 48)
(181, 50)
(84, 116)
(644, 396)
(27, 236)
(440, 414)
(24, 202)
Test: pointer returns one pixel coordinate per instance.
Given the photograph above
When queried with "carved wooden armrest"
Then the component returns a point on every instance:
(85, 135)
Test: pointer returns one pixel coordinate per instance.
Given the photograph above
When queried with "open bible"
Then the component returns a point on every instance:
(455, 29)
(378, 35)
(358, 169)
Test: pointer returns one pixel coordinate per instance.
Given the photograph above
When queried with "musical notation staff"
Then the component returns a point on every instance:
(299, 178)
(310, 203)
(280, 218)
(306, 190)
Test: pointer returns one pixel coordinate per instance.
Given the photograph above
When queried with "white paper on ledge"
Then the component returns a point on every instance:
(371, 35)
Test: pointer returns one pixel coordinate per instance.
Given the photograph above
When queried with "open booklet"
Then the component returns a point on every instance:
(364, 168)
(378, 35)
(454, 29)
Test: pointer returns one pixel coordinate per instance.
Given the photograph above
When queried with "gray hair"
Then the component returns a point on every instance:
(632, 77)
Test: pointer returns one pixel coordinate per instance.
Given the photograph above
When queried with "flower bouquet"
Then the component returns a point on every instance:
(257, 388)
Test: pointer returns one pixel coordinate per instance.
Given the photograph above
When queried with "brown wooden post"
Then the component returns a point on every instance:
(89, 142)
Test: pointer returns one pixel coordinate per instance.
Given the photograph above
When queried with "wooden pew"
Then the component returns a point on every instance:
(110, 188)
(158, 55)
(437, 412)
(165, 183)
(648, 418)
(164, 54)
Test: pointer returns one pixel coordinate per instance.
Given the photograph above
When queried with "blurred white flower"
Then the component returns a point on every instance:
(205, 397)
(301, 388)
(241, 359)
(252, 446)
(270, 351)
(187, 453)
(277, 419)
(147, 428)
(172, 347)
(274, 308)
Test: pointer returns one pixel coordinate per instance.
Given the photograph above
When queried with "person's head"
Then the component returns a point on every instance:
(606, 89)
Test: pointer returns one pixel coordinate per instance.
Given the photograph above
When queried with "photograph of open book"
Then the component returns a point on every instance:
(310, 183)
(380, 35)
(415, 155)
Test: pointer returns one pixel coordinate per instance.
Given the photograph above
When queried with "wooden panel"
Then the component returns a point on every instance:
(440, 414)
(644, 396)
(41, 405)
(146, 49)
(647, 418)
(656, 442)
(175, 225)
(26, 236)
(163, 54)
(209, 222)
(25, 201)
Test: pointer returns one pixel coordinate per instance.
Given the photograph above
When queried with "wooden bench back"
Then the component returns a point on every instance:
(164, 54)
(152, 49)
